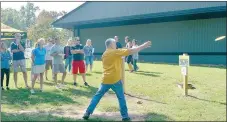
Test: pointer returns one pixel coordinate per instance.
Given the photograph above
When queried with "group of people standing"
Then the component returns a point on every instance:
(53, 54)
(130, 59)
(45, 56)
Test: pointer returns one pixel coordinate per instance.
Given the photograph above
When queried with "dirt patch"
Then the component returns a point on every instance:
(76, 112)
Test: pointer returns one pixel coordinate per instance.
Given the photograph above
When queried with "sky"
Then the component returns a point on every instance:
(50, 6)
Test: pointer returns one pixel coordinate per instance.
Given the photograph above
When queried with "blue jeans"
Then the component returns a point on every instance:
(68, 62)
(135, 64)
(118, 89)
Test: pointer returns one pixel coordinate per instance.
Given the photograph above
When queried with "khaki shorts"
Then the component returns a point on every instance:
(37, 69)
(58, 68)
(48, 64)
(19, 64)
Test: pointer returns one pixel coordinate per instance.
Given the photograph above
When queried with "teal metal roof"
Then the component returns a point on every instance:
(92, 12)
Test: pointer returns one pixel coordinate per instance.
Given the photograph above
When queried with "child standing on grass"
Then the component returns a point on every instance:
(135, 56)
(5, 64)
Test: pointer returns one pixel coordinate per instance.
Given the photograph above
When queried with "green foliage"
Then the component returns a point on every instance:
(11, 17)
(36, 27)
(44, 29)
(27, 13)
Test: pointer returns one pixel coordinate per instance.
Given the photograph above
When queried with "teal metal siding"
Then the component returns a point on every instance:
(104, 10)
(182, 36)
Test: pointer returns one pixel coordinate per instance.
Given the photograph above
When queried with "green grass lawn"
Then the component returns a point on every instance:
(154, 85)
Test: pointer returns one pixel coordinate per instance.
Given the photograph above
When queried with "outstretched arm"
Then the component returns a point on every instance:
(140, 47)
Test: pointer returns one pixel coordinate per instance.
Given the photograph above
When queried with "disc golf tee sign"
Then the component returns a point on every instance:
(184, 60)
(184, 63)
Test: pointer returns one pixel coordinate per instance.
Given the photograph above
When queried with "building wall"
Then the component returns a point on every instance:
(181, 36)
(104, 10)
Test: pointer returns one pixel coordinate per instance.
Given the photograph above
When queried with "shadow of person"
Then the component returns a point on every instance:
(222, 103)
(157, 117)
(21, 97)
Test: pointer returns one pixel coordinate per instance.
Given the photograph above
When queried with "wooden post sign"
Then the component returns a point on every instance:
(184, 63)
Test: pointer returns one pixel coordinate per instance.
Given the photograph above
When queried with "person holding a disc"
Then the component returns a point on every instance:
(112, 74)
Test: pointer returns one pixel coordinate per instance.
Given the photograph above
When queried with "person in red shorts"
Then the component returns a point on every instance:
(78, 65)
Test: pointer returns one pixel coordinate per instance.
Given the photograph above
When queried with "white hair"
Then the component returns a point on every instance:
(109, 42)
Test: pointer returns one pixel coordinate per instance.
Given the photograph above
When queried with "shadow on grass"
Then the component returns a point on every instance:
(156, 117)
(32, 117)
(42, 117)
(115, 116)
(144, 98)
(97, 72)
(104, 116)
(89, 92)
(23, 97)
(211, 66)
(220, 66)
(146, 73)
(207, 100)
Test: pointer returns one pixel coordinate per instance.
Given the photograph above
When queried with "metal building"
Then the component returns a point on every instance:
(173, 27)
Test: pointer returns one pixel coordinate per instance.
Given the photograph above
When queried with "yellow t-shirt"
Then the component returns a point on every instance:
(112, 63)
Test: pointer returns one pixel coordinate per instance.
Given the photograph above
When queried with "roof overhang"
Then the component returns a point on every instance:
(192, 14)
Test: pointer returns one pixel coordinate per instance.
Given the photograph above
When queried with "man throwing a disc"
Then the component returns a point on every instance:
(112, 64)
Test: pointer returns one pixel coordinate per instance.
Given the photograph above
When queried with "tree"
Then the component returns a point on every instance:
(27, 14)
(43, 28)
(11, 17)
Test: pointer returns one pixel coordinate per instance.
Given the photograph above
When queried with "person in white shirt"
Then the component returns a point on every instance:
(48, 57)
(135, 56)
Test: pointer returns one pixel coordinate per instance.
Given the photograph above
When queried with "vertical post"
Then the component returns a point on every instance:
(185, 79)
(184, 63)
(0, 91)
(123, 73)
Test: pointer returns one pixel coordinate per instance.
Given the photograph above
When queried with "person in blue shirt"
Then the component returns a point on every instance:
(5, 64)
(38, 62)
(88, 53)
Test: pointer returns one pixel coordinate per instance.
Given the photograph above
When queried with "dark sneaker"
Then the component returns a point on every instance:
(75, 84)
(3, 88)
(126, 119)
(86, 84)
(86, 116)
(7, 88)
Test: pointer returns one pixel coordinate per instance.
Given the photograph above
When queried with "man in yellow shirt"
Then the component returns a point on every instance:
(112, 63)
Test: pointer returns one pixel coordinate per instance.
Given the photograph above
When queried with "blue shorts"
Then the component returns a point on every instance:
(89, 60)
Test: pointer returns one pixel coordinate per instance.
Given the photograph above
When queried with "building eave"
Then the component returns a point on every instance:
(200, 13)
